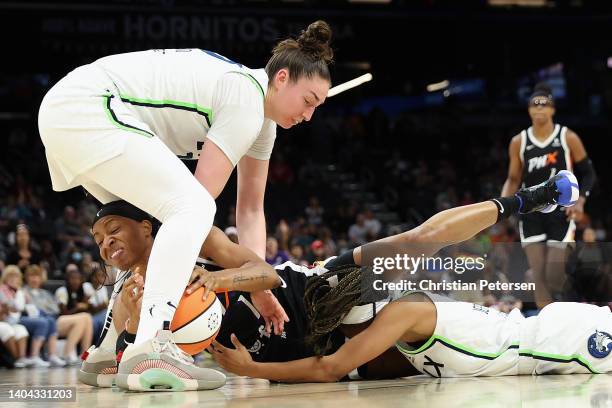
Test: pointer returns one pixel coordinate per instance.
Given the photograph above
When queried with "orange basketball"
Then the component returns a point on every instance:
(196, 322)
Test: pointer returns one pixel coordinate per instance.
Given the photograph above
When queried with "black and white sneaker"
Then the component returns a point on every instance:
(561, 189)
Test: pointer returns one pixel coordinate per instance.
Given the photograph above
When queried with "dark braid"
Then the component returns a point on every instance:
(327, 306)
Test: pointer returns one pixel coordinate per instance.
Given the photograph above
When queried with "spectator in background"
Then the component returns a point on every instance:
(314, 211)
(283, 234)
(73, 300)
(317, 252)
(87, 265)
(24, 253)
(40, 303)
(358, 232)
(39, 328)
(232, 234)
(72, 327)
(296, 254)
(70, 254)
(98, 299)
(8, 211)
(68, 228)
(275, 256)
(331, 248)
(372, 225)
(14, 337)
(301, 235)
(48, 256)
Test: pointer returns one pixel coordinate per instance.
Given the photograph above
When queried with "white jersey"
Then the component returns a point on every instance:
(180, 98)
(472, 340)
(185, 96)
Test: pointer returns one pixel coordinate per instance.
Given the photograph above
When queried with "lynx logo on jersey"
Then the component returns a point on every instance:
(536, 163)
(600, 344)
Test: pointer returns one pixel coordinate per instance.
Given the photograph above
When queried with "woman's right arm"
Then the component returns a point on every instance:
(388, 327)
(513, 180)
(244, 270)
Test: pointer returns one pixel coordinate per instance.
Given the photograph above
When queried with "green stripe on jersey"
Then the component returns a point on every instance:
(253, 80)
(559, 358)
(577, 358)
(168, 103)
(455, 346)
(113, 118)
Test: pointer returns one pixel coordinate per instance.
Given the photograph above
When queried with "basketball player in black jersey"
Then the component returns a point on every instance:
(536, 154)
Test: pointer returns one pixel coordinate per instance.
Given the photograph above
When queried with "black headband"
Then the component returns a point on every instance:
(122, 209)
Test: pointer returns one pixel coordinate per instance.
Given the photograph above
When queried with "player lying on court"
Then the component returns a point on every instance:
(134, 229)
(125, 236)
(438, 336)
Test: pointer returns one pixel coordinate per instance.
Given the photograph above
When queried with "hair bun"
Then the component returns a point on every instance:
(315, 41)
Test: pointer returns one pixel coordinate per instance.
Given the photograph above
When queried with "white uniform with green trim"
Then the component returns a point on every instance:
(183, 97)
(472, 340)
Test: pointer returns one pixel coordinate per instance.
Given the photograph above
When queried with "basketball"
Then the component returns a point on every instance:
(196, 322)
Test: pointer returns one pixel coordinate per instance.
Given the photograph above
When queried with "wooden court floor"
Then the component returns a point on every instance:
(526, 391)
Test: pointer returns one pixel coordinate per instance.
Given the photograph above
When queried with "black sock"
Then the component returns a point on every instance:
(506, 206)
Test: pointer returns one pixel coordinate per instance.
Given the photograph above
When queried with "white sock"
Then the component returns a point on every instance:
(175, 250)
(148, 175)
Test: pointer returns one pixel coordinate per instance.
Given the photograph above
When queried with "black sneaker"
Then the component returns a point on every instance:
(561, 189)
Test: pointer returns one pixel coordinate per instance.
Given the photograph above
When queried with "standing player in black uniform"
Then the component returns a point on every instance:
(536, 154)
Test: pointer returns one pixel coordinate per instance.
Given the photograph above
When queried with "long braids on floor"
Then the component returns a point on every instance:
(327, 305)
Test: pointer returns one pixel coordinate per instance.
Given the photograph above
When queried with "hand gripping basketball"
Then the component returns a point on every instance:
(200, 277)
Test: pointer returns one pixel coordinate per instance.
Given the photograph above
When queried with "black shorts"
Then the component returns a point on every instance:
(553, 227)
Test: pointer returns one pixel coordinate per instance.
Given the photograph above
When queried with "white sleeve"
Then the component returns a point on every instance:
(19, 301)
(89, 290)
(237, 108)
(261, 149)
(61, 295)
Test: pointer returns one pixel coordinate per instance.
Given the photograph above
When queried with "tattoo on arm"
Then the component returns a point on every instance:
(240, 278)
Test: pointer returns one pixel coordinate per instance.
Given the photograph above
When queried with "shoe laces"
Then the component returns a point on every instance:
(170, 347)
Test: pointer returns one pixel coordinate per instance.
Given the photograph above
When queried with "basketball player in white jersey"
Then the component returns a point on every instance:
(117, 125)
(536, 154)
(438, 336)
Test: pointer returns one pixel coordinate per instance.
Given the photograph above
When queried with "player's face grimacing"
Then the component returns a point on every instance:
(122, 241)
(297, 101)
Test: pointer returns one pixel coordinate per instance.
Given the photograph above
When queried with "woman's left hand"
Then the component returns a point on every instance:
(131, 295)
(237, 360)
(201, 277)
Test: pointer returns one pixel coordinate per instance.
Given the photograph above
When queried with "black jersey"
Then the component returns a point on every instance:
(242, 319)
(543, 159)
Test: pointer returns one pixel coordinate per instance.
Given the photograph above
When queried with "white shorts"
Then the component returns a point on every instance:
(16, 331)
(83, 123)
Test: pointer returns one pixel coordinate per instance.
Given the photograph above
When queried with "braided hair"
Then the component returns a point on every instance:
(327, 305)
